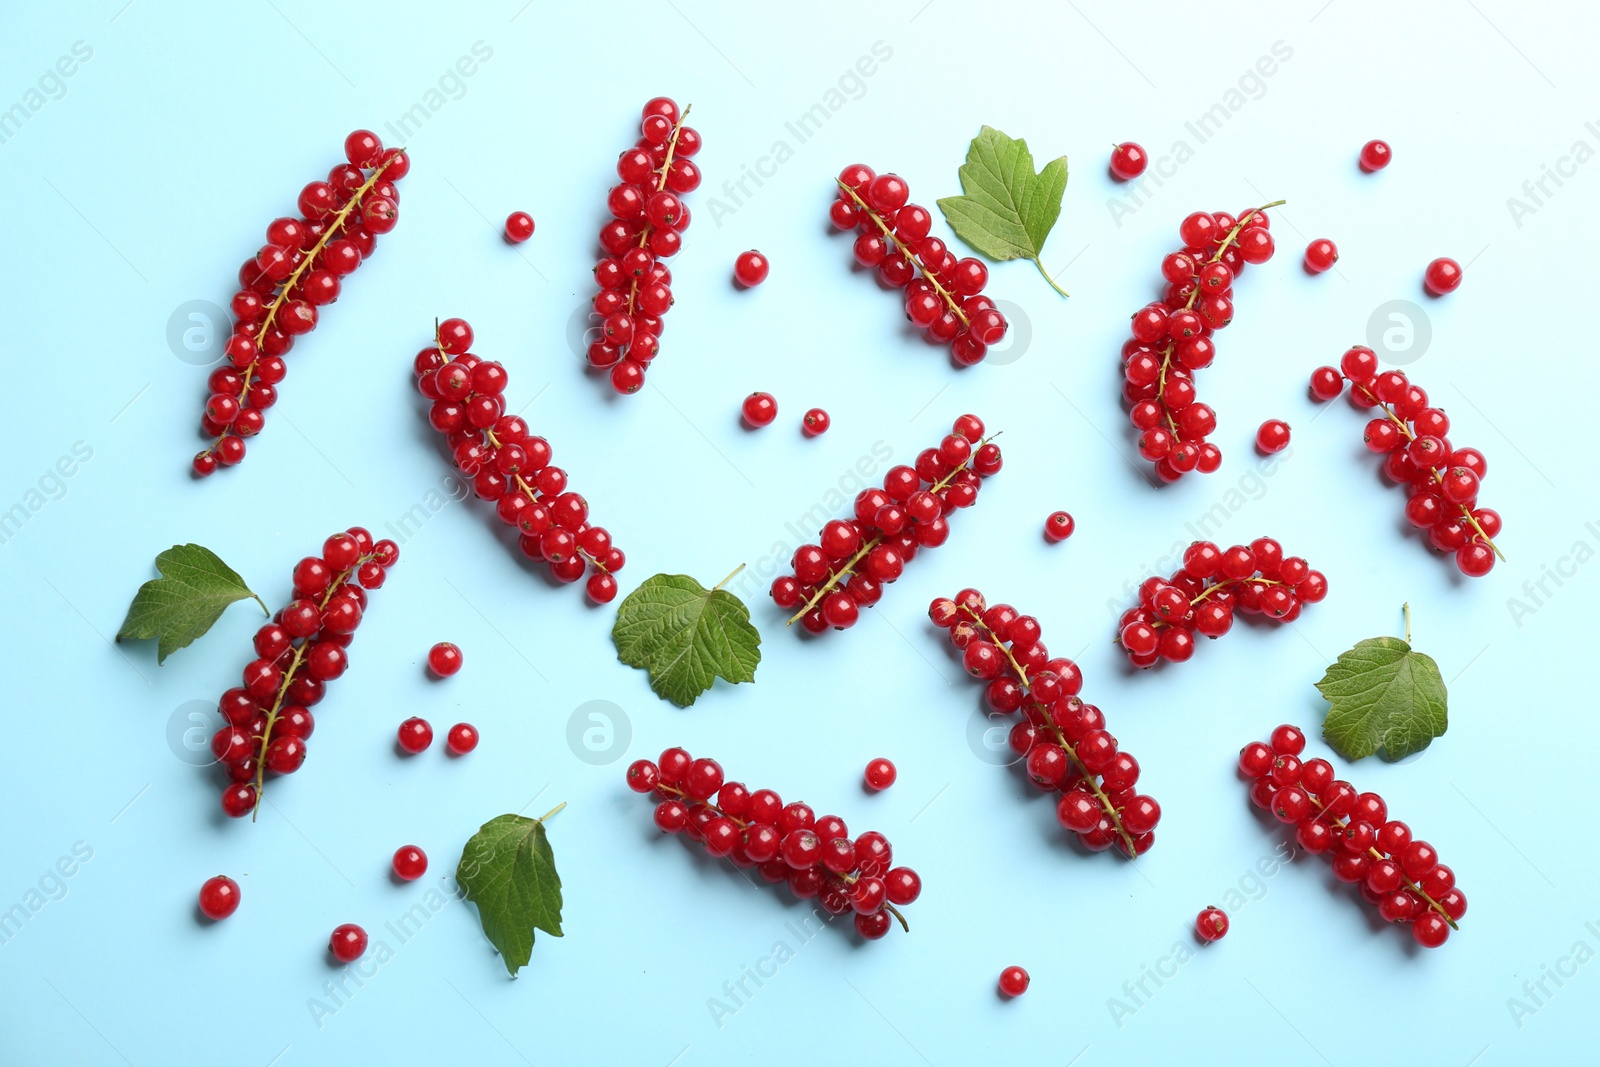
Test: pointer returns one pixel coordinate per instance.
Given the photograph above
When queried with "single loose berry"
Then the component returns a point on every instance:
(816, 422)
(1014, 981)
(750, 268)
(415, 735)
(519, 227)
(1442, 276)
(444, 659)
(1058, 527)
(463, 738)
(1273, 436)
(1128, 160)
(348, 942)
(410, 862)
(219, 897)
(1211, 924)
(1320, 255)
(1375, 155)
(880, 774)
(759, 409)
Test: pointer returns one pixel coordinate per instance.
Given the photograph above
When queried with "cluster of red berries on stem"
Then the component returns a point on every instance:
(1063, 740)
(267, 718)
(1441, 480)
(814, 855)
(509, 466)
(1173, 337)
(1399, 875)
(648, 220)
(943, 294)
(854, 559)
(297, 271)
(1205, 593)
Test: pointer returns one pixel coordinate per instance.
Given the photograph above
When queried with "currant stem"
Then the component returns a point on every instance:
(1438, 476)
(1052, 281)
(729, 578)
(661, 183)
(1060, 736)
(905, 250)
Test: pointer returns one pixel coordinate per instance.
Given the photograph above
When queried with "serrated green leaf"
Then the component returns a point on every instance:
(686, 636)
(1384, 696)
(1007, 210)
(194, 589)
(509, 872)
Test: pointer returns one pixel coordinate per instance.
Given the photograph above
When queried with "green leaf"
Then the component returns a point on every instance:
(686, 636)
(1384, 695)
(509, 872)
(1008, 210)
(194, 589)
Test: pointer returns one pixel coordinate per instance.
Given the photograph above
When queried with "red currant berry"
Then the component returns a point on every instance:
(1128, 160)
(415, 735)
(1375, 155)
(750, 268)
(1273, 436)
(1211, 924)
(880, 774)
(1014, 981)
(1058, 526)
(444, 659)
(759, 409)
(1320, 255)
(462, 738)
(219, 897)
(1442, 276)
(519, 227)
(410, 863)
(347, 943)
(816, 422)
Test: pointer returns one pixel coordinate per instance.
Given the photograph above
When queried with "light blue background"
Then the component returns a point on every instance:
(193, 125)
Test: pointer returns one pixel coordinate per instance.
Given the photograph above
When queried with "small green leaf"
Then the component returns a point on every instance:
(194, 589)
(686, 636)
(1008, 210)
(1384, 695)
(509, 872)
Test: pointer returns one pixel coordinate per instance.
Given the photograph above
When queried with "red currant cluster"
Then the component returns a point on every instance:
(1441, 481)
(268, 717)
(1402, 877)
(847, 570)
(509, 466)
(1173, 338)
(1064, 740)
(1203, 595)
(281, 287)
(647, 225)
(943, 293)
(785, 842)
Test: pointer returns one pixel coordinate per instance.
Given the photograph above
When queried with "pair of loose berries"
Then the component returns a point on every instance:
(416, 734)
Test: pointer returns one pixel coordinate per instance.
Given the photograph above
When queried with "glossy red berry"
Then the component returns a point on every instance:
(1014, 981)
(759, 409)
(880, 774)
(219, 897)
(348, 942)
(1128, 160)
(1442, 276)
(816, 422)
(1058, 526)
(1321, 254)
(463, 738)
(1211, 924)
(444, 659)
(1273, 436)
(1375, 155)
(519, 227)
(750, 268)
(410, 863)
(415, 735)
